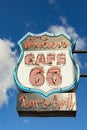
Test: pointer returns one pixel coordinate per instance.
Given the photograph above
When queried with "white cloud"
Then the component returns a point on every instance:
(80, 41)
(26, 121)
(7, 63)
(76, 57)
(29, 24)
(52, 1)
(85, 65)
(63, 20)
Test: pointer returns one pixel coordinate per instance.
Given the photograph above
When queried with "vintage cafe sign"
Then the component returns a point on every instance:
(46, 70)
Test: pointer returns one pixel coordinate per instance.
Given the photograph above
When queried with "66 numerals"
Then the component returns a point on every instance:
(53, 76)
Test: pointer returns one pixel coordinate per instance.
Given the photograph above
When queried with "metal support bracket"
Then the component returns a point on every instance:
(79, 51)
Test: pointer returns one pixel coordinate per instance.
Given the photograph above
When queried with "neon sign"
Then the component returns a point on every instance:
(46, 75)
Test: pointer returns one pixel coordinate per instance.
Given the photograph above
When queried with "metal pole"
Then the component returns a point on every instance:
(83, 75)
(79, 51)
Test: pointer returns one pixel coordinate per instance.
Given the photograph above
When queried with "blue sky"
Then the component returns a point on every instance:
(17, 17)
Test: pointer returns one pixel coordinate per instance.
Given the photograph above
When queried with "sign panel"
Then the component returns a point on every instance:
(46, 65)
(58, 104)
